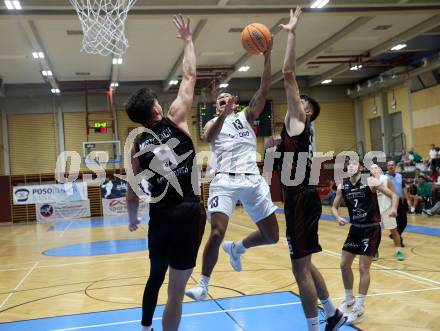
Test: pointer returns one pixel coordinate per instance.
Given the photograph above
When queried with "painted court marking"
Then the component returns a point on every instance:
(19, 284)
(237, 309)
(64, 231)
(407, 275)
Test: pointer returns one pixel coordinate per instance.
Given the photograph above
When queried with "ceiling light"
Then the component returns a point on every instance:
(223, 85)
(16, 4)
(46, 73)
(114, 84)
(9, 5)
(244, 68)
(173, 82)
(117, 60)
(38, 55)
(398, 47)
(356, 67)
(55, 91)
(327, 81)
(319, 3)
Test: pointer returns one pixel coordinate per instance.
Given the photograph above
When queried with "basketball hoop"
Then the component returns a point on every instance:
(103, 25)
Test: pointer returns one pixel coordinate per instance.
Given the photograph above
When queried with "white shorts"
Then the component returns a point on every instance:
(389, 223)
(252, 190)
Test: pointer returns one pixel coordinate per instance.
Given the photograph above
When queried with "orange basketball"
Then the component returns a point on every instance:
(255, 38)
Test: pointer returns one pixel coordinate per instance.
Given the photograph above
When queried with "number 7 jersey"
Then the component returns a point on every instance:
(235, 148)
(361, 202)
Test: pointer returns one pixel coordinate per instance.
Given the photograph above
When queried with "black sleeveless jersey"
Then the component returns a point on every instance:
(361, 202)
(298, 152)
(169, 157)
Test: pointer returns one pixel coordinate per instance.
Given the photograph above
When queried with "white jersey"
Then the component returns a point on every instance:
(382, 199)
(235, 148)
(385, 204)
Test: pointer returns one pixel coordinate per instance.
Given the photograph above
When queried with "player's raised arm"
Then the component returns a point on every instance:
(295, 116)
(256, 105)
(181, 106)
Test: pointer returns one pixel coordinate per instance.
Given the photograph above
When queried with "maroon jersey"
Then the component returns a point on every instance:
(299, 147)
(361, 202)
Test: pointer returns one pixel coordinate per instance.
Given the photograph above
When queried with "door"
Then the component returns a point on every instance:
(397, 143)
(376, 134)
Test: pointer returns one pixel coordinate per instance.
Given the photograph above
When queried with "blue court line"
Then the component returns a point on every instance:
(419, 229)
(92, 223)
(281, 311)
(99, 248)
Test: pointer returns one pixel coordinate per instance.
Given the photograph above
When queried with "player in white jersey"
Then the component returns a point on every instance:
(233, 143)
(389, 223)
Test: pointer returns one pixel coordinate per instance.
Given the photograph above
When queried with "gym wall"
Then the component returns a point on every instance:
(335, 128)
(367, 106)
(32, 143)
(426, 107)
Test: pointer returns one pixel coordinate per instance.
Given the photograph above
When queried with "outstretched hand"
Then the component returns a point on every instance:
(183, 26)
(294, 18)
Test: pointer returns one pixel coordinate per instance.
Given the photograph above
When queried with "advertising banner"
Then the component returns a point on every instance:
(118, 206)
(49, 212)
(49, 193)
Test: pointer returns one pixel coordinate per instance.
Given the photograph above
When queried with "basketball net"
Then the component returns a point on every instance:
(103, 25)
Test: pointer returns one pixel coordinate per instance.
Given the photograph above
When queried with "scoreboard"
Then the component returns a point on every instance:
(263, 126)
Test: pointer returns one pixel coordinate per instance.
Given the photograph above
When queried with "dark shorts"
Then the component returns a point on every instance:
(175, 232)
(363, 241)
(302, 210)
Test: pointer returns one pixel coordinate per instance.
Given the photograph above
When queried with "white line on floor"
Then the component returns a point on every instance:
(234, 310)
(19, 284)
(407, 275)
(77, 263)
(62, 233)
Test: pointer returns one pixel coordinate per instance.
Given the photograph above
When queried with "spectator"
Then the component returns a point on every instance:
(434, 157)
(412, 184)
(399, 186)
(434, 210)
(415, 156)
(432, 153)
(435, 175)
(406, 160)
(424, 192)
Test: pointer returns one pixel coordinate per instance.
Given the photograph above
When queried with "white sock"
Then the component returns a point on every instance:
(239, 247)
(349, 294)
(204, 281)
(397, 249)
(361, 300)
(329, 307)
(313, 324)
(146, 328)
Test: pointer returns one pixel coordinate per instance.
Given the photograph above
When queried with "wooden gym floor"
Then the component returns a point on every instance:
(403, 295)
